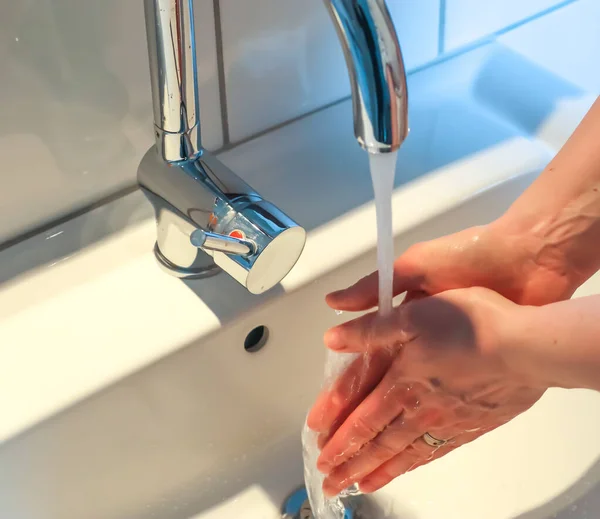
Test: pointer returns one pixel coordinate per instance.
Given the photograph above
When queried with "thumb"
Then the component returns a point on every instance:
(364, 294)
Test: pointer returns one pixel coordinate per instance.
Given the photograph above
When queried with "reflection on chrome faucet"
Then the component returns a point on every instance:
(376, 69)
(207, 217)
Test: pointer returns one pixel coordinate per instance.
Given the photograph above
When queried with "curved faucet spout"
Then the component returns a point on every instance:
(373, 58)
(376, 70)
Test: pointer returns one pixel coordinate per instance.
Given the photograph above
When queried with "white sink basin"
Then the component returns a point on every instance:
(213, 432)
(193, 425)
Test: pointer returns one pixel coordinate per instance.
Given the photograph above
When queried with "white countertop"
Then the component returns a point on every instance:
(71, 326)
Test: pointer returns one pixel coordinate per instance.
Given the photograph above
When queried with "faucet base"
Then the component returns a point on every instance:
(206, 271)
(240, 232)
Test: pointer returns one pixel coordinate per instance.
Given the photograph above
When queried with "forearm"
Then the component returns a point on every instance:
(560, 212)
(557, 345)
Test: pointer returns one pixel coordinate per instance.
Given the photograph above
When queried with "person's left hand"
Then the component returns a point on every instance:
(434, 366)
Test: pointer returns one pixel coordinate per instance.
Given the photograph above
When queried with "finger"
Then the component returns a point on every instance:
(413, 295)
(364, 294)
(394, 439)
(382, 406)
(412, 404)
(335, 404)
(371, 332)
(322, 440)
(404, 431)
(414, 456)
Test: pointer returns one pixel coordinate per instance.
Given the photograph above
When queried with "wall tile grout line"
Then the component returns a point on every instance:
(221, 72)
(533, 17)
(489, 38)
(283, 124)
(55, 222)
(122, 193)
(500, 32)
(442, 28)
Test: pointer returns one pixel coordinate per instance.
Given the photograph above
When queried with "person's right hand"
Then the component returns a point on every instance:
(517, 267)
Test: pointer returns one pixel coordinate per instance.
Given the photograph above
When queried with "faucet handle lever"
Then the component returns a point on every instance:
(221, 243)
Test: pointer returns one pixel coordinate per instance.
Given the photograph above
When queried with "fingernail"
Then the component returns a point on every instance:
(322, 440)
(312, 425)
(324, 466)
(330, 489)
(333, 340)
(332, 299)
(371, 484)
(367, 487)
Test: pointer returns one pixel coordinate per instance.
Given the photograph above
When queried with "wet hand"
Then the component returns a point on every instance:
(434, 366)
(486, 256)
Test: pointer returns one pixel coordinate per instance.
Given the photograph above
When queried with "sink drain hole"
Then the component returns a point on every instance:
(297, 506)
(256, 339)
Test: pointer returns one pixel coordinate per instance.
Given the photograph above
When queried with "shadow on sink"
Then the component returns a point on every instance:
(181, 436)
(174, 440)
(225, 296)
(581, 500)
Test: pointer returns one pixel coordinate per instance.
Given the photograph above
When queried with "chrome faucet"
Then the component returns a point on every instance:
(208, 219)
(376, 69)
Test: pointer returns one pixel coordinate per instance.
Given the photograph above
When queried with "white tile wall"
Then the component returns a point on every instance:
(565, 42)
(75, 111)
(282, 57)
(469, 20)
